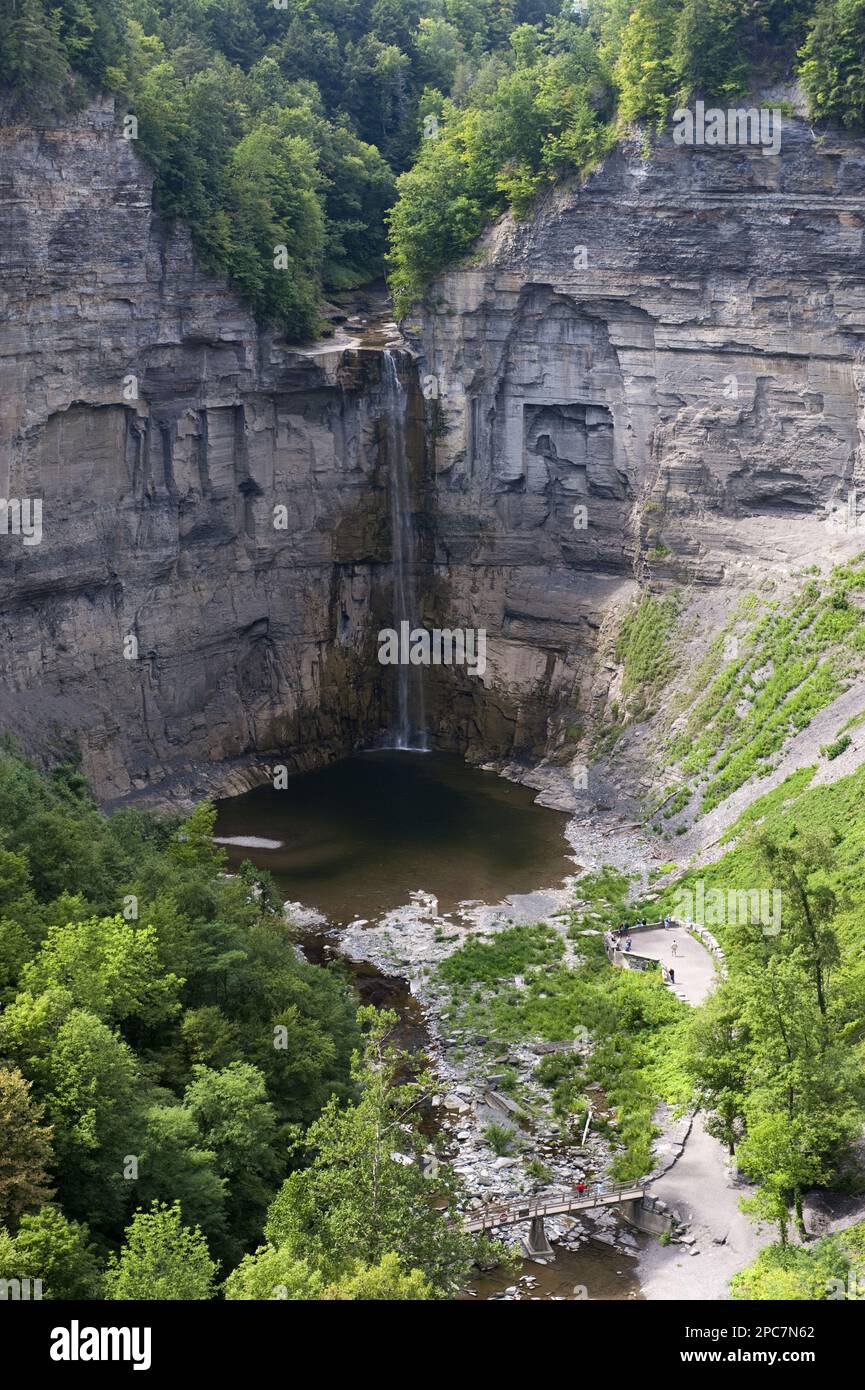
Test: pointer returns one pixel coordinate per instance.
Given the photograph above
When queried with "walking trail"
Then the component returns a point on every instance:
(701, 1186)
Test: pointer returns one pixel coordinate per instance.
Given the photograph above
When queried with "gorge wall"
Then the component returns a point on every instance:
(161, 430)
(675, 346)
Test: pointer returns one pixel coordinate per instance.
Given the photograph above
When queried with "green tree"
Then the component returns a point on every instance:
(93, 36)
(174, 1165)
(644, 70)
(91, 1089)
(798, 870)
(110, 967)
(25, 1150)
(441, 209)
(23, 920)
(785, 1159)
(192, 846)
(365, 1194)
(162, 1259)
(716, 1054)
(793, 1012)
(387, 1281)
(33, 67)
(440, 51)
(277, 241)
(780, 1273)
(208, 1037)
(708, 53)
(273, 1274)
(237, 1125)
(57, 1251)
(831, 64)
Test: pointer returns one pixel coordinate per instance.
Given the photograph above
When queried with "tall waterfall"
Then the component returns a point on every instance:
(410, 724)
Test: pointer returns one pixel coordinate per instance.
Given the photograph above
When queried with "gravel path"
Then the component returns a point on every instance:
(702, 1187)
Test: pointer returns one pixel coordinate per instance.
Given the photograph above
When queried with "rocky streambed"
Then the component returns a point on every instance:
(594, 1253)
(491, 1110)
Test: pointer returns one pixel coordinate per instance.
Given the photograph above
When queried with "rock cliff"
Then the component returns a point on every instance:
(657, 379)
(215, 528)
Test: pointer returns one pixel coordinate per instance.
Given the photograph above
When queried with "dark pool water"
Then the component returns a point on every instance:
(354, 839)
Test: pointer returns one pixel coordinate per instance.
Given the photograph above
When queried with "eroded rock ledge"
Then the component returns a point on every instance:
(161, 428)
(677, 347)
(693, 378)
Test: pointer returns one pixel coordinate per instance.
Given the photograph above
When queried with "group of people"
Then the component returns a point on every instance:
(669, 972)
(499, 1214)
(580, 1188)
(624, 930)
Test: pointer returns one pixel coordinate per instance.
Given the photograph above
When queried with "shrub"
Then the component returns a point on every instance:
(835, 749)
(499, 1138)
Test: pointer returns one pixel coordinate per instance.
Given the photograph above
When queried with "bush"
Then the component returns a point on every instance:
(499, 1138)
(835, 749)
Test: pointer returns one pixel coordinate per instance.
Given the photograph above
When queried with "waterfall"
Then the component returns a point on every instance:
(410, 724)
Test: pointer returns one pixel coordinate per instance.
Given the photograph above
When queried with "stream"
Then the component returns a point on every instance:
(358, 839)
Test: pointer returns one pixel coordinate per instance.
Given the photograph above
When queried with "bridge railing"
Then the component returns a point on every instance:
(558, 1206)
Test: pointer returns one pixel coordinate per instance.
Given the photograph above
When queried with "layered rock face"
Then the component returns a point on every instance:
(657, 379)
(675, 347)
(215, 536)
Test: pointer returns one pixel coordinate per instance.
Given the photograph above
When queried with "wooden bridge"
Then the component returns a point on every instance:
(602, 1195)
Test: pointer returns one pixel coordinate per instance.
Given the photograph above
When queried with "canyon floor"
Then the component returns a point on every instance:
(695, 1179)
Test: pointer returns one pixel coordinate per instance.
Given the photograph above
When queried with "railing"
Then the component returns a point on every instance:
(607, 1195)
(614, 945)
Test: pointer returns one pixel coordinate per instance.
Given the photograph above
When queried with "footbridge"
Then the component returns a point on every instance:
(631, 1197)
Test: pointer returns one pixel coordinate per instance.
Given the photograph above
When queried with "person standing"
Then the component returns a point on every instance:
(675, 948)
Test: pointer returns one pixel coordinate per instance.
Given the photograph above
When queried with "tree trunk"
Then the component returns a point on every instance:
(800, 1217)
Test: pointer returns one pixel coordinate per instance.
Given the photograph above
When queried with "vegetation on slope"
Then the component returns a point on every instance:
(832, 1268)
(762, 680)
(776, 1054)
(556, 103)
(279, 130)
(274, 129)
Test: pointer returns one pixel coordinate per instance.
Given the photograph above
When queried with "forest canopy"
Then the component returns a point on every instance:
(178, 1085)
(290, 133)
